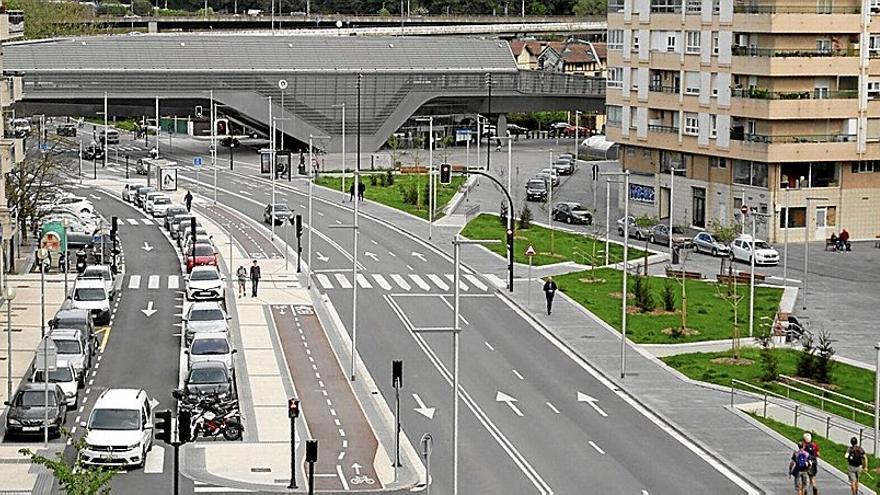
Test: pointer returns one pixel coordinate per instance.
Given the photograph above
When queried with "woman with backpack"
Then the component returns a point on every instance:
(857, 461)
(799, 468)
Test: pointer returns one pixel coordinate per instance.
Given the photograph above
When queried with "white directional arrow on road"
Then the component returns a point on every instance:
(146, 247)
(149, 311)
(425, 411)
(419, 255)
(321, 257)
(502, 397)
(371, 255)
(592, 401)
(357, 468)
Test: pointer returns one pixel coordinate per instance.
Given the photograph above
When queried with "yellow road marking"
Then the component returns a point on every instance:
(106, 337)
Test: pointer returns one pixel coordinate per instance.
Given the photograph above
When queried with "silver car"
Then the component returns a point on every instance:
(660, 235)
(207, 317)
(635, 231)
(65, 376)
(705, 242)
(210, 347)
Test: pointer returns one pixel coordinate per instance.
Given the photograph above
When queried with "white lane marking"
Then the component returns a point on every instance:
(489, 346)
(510, 401)
(342, 477)
(219, 489)
(599, 450)
(134, 282)
(343, 282)
(552, 408)
(475, 282)
(497, 282)
(155, 460)
(246, 193)
(400, 281)
(381, 281)
(324, 280)
(419, 281)
(374, 242)
(451, 278)
(438, 281)
(518, 375)
(146, 221)
(131, 221)
(320, 214)
(173, 281)
(154, 282)
(363, 282)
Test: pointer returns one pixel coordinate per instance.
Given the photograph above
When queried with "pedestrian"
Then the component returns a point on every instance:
(595, 171)
(361, 189)
(242, 275)
(813, 449)
(351, 192)
(843, 239)
(255, 278)
(188, 200)
(798, 468)
(550, 291)
(498, 145)
(62, 262)
(857, 461)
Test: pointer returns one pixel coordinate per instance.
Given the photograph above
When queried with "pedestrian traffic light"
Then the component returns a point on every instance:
(311, 451)
(397, 373)
(292, 408)
(114, 225)
(445, 173)
(184, 426)
(221, 127)
(299, 225)
(192, 228)
(162, 426)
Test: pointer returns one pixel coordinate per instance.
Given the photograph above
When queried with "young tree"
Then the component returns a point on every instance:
(394, 145)
(74, 477)
(726, 234)
(824, 365)
(525, 217)
(769, 360)
(445, 147)
(418, 142)
(646, 222)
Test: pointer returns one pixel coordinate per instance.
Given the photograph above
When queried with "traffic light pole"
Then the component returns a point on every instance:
(292, 413)
(176, 480)
(509, 226)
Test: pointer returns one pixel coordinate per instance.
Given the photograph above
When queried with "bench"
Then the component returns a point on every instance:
(724, 279)
(684, 274)
(759, 277)
(830, 245)
(413, 170)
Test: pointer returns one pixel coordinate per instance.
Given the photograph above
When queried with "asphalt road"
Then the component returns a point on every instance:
(523, 429)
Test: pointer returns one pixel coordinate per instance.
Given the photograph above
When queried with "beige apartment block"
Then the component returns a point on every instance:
(764, 103)
(11, 149)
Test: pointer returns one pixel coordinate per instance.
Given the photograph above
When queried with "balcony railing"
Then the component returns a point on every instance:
(615, 7)
(662, 128)
(737, 135)
(750, 51)
(772, 8)
(656, 88)
(764, 94)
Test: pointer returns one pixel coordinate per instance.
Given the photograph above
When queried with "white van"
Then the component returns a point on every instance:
(119, 431)
(91, 294)
(112, 137)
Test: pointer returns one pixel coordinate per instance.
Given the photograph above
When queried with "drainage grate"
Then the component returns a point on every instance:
(261, 470)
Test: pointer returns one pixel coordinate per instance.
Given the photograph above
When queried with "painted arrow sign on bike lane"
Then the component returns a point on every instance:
(346, 442)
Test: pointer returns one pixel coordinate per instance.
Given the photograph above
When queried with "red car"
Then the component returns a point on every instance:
(581, 132)
(200, 254)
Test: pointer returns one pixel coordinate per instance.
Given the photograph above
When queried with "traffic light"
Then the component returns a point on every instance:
(299, 225)
(221, 127)
(445, 173)
(292, 408)
(184, 426)
(311, 451)
(192, 228)
(114, 226)
(397, 373)
(163, 426)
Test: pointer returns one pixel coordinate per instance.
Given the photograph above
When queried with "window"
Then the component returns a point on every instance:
(873, 90)
(646, 153)
(691, 124)
(865, 167)
(634, 79)
(715, 84)
(713, 126)
(656, 81)
(750, 173)
(694, 6)
(670, 42)
(717, 162)
(615, 39)
(715, 45)
(630, 151)
(673, 159)
(615, 77)
(823, 45)
(692, 83)
(874, 45)
(797, 218)
(693, 42)
(635, 47)
(614, 115)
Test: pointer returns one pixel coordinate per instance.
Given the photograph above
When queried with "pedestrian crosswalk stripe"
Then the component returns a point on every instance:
(147, 221)
(401, 282)
(381, 281)
(419, 281)
(324, 281)
(131, 221)
(154, 282)
(343, 282)
(476, 282)
(461, 284)
(134, 281)
(438, 281)
(496, 281)
(363, 282)
(173, 282)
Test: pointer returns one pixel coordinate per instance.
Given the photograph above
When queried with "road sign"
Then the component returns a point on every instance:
(97, 238)
(198, 161)
(744, 209)
(530, 251)
(282, 84)
(44, 146)
(46, 355)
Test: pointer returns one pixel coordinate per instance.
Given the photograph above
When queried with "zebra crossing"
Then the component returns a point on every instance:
(61, 147)
(135, 222)
(153, 282)
(409, 282)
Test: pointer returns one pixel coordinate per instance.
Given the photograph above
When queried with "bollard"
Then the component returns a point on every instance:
(795, 415)
(828, 427)
(765, 404)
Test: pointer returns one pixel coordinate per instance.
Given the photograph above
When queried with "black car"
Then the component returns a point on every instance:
(77, 319)
(230, 141)
(279, 214)
(28, 406)
(172, 212)
(68, 130)
(93, 152)
(564, 166)
(208, 378)
(570, 212)
(536, 190)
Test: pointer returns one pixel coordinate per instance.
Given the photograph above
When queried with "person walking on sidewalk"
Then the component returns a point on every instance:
(242, 276)
(255, 278)
(857, 461)
(361, 189)
(799, 468)
(550, 291)
(188, 201)
(813, 449)
(351, 192)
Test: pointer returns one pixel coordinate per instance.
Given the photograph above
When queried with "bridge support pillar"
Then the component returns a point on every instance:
(501, 125)
(153, 27)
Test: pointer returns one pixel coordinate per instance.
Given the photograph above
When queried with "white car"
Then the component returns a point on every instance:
(205, 317)
(91, 294)
(148, 199)
(205, 283)
(119, 431)
(75, 203)
(101, 272)
(159, 206)
(550, 175)
(66, 378)
(210, 347)
(741, 249)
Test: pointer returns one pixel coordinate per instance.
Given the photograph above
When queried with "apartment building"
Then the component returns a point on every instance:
(11, 149)
(765, 103)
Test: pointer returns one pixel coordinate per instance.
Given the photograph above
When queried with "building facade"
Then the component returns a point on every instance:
(11, 148)
(764, 104)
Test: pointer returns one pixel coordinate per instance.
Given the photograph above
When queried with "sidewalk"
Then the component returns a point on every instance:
(698, 412)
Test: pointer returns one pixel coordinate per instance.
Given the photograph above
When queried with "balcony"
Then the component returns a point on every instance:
(669, 129)
(753, 51)
(792, 148)
(10, 91)
(776, 62)
(738, 135)
(813, 8)
(759, 103)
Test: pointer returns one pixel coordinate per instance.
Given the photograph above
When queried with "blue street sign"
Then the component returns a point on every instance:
(44, 146)
(96, 238)
(197, 161)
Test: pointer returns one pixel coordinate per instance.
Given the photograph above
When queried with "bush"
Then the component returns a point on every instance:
(805, 363)
(374, 180)
(669, 296)
(409, 193)
(382, 181)
(769, 360)
(141, 7)
(503, 214)
(525, 217)
(642, 292)
(389, 177)
(823, 366)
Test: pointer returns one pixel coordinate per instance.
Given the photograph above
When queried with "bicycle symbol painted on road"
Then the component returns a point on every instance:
(357, 480)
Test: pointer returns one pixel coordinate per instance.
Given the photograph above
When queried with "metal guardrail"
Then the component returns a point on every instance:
(868, 406)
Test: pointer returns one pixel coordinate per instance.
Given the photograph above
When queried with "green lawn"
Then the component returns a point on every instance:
(393, 196)
(830, 452)
(848, 380)
(566, 246)
(708, 314)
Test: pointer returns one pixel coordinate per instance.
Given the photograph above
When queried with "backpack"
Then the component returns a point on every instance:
(856, 456)
(802, 460)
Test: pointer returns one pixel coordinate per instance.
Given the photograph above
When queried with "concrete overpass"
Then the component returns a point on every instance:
(388, 79)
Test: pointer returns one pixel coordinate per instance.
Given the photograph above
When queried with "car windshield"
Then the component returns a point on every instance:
(204, 275)
(60, 375)
(577, 207)
(203, 347)
(68, 346)
(203, 250)
(762, 245)
(89, 294)
(69, 323)
(207, 375)
(115, 419)
(162, 201)
(536, 184)
(206, 315)
(96, 273)
(35, 398)
(176, 210)
(145, 191)
(281, 208)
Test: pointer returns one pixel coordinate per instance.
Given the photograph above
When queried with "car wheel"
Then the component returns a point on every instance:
(639, 236)
(568, 220)
(714, 252)
(620, 231)
(651, 239)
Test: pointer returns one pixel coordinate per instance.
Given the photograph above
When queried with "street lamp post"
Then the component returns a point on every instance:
(42, 254)
(213, 143)
(488, 121)
(785, 241)
(510, 238)
(608, 183)
(876, 398)
(105, 129)
(671, 209)
(755, 216)
(577, 138)
(342, 159)
(624, 302)
(807, 245)
(10, 296)
(311, 176)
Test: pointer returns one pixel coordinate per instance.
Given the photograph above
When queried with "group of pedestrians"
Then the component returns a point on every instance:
(361, 189)
(804, 465)
(242, 275)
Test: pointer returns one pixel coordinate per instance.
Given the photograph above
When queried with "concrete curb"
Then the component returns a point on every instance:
(459, 196)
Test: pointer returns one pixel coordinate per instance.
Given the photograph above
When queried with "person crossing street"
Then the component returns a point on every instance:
(550, 291)
(188, 200)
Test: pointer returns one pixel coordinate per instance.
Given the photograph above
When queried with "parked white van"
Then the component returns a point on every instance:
(119, 431)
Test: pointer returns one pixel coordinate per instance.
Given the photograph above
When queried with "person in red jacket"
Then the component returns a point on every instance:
(813, 449)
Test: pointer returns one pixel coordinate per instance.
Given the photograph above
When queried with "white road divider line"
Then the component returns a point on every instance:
(155, 463)
(324, 280)
(461, 284)
(401, 282)
(153, 282)
(173, 281)
(134, 282)
(146, 221)
(598, 449)
(552, 408)
(476, 282)
(131, 221)
(343, 282)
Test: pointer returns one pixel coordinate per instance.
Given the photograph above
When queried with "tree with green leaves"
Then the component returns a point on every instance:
(590, 7)
(725, 234)
(53, 19)
(74, 477)
(445, 147)
(29, 184)
(646, 222)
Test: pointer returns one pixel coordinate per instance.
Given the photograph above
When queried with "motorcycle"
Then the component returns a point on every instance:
(213, 417)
